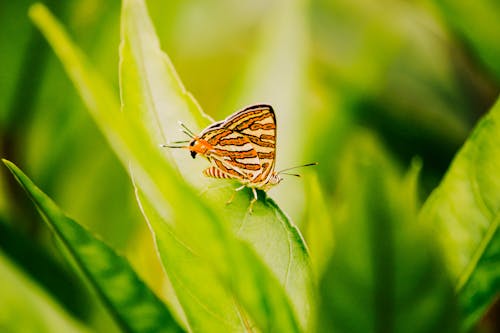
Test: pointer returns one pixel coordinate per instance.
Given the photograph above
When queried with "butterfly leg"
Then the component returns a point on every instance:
(234, 194)
(254, 199)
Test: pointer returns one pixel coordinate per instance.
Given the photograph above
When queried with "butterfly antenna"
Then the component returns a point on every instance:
(186, 130)
(172, 146)
(290, 174)
(179, 142)
(295, 167)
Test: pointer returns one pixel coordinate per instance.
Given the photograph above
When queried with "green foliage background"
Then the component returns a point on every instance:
(382, 94)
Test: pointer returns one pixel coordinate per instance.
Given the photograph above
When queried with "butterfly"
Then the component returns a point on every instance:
(241, 147)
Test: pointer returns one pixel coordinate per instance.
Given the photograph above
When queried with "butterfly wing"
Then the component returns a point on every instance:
(258, 124)
(232, 153)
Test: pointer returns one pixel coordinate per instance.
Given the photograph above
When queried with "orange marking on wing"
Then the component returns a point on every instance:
(246, 114)
(267, 137)
(259, 142)
(236, 154)
(248, 123)
(234, 142)
(215, 139)
(246, 166)
(263, 155)
(232, 172)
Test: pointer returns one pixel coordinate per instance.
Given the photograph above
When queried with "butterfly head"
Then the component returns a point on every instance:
(199, 146)
(191, 144)
(196, 145)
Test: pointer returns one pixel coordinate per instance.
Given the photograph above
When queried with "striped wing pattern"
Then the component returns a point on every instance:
(233, 154)
(243, 145)
(258, 123)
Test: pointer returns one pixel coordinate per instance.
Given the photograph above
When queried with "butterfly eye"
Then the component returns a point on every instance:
(192, 143)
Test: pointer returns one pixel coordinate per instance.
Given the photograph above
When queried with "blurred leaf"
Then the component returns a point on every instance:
(28, 308)
(22, 54)
(56, 141)
(47, 272)
(235, 264)
(478, 23)
(392, 65)
(128, 299)
(465, 213)
(318, 228)
(384, 275)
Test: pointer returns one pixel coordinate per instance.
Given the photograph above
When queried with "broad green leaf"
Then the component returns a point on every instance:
(464, 211)
(235, 264)
(384, 275)
(25, 307)
(133, 305)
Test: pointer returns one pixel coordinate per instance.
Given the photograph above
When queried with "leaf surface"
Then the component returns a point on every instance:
(464, 211)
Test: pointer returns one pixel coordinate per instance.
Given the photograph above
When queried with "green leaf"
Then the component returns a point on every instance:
(385, 275)
(133, 305)
(464, 210)
(28, 308)
(174, 209)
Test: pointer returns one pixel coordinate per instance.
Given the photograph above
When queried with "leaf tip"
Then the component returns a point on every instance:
(36, 11)
(16, 172)
(8, 163)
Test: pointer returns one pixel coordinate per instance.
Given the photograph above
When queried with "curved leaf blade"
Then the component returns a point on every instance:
(133, 305)
(465, 212)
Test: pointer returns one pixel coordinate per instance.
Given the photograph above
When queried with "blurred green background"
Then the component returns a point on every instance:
(411, 77)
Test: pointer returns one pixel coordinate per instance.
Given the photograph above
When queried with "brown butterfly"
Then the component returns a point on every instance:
(241, 147)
